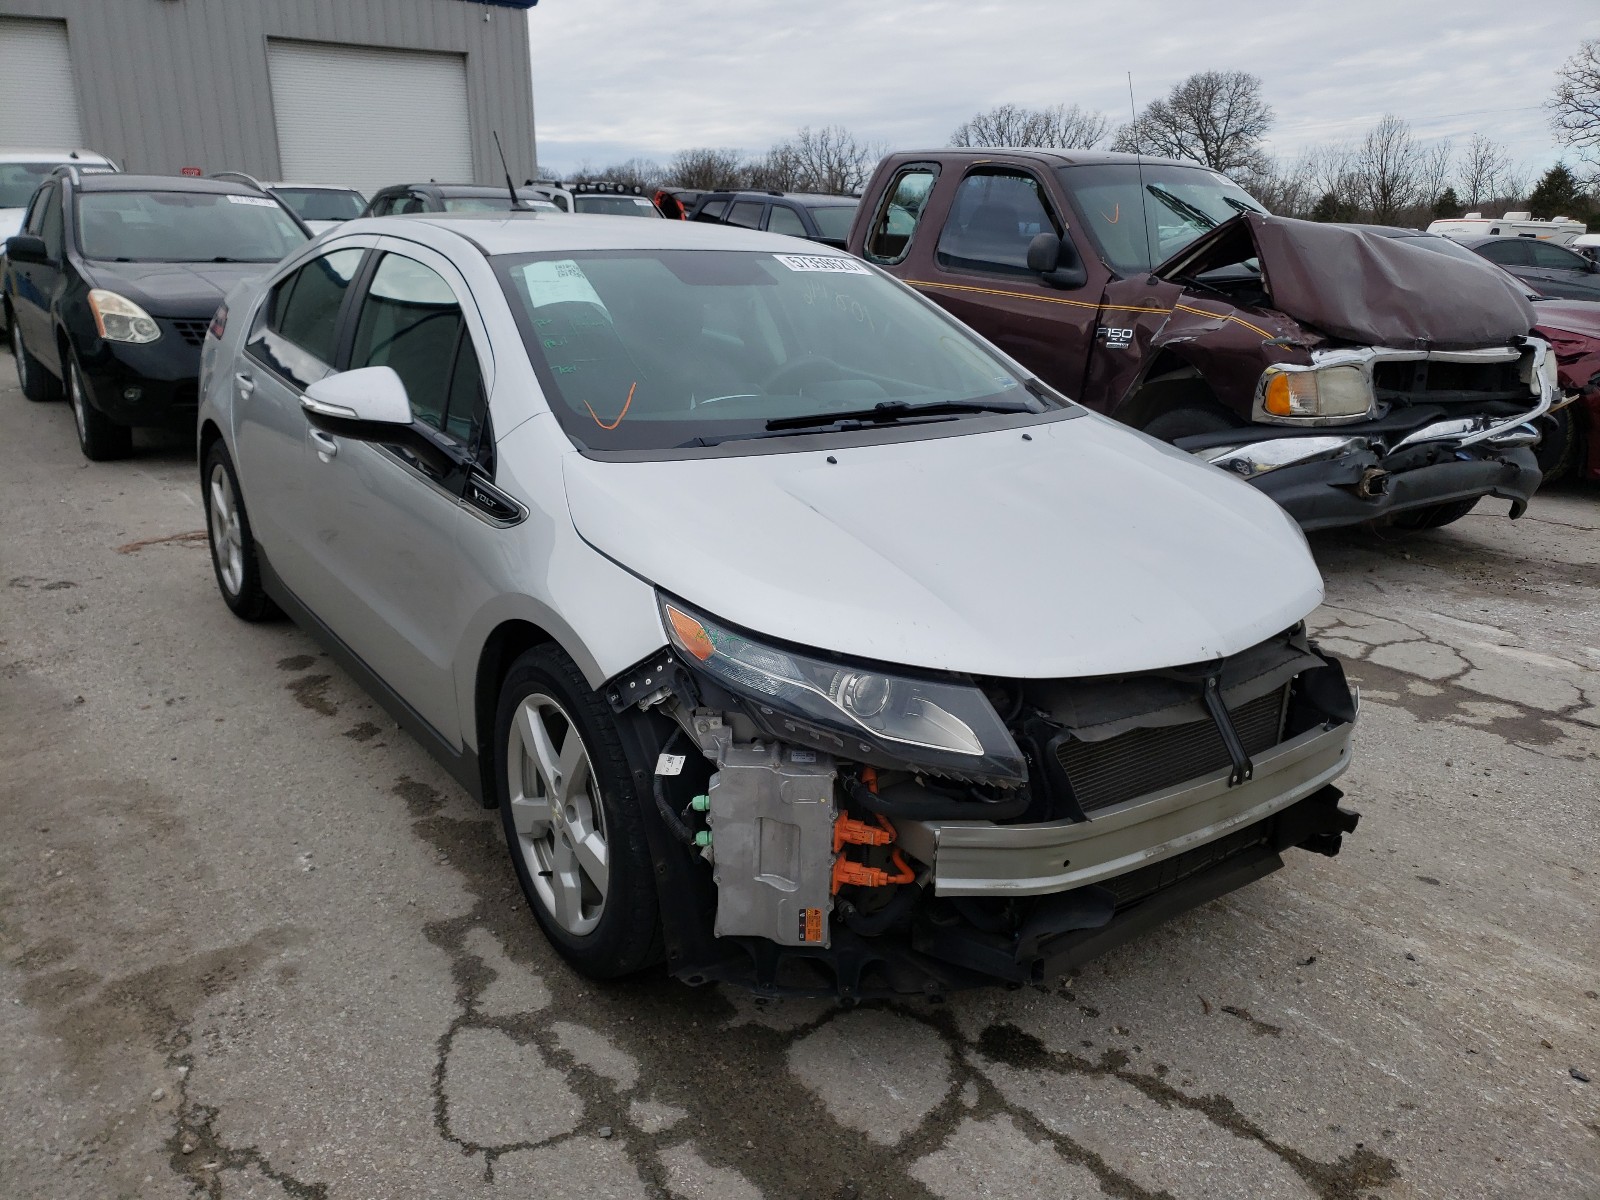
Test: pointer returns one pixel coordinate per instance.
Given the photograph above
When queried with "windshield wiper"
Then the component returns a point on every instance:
(890, 411)
(1182, 207)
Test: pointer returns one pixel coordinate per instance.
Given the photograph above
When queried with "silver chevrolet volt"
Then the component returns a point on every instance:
(801, 638)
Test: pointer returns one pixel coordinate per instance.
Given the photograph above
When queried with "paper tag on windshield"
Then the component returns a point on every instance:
(258, 201)
(832, 263)
(670, 764)
(558, 282)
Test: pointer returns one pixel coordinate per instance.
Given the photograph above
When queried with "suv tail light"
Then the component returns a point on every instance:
(219, 323)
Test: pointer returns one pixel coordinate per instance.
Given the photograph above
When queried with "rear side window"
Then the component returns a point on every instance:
(889, 239)
(995, 215)
(1509, 253)
(784, 219)
(746, 214)
(712, 211)
(411, 322)
(305, 306)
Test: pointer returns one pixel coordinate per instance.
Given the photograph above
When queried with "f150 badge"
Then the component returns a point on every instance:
(1115, 338)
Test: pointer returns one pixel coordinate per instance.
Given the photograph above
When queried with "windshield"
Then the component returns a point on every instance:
(1177, 205)
(616, 206)
(654, 349)
(184, 227)
(833, 220)
(322, 204)
(18, 182)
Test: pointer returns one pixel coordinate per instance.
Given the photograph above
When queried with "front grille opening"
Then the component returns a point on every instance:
(192, 332)
(1430, 381)
(1146, 760)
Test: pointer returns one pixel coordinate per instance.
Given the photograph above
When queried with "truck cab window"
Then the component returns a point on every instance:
(995, 215)
(889, 239)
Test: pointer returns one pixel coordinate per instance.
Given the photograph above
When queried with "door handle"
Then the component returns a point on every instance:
(326, 447)
(245, 382)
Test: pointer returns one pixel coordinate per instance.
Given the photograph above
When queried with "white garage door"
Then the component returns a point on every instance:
(38, 103)
(369, 117)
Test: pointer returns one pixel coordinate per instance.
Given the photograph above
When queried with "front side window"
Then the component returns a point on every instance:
(834, 220)
(1140, 216)
(411, 322)
(184, 227)
(783, 219)
(19, 181)
(322, 204)
(305, 306)
(50, 227)
(1556, 259)
(995, 215)
(654, 349)
(889, 239)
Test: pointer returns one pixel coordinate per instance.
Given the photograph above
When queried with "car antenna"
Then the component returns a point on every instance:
(516, 203)
(1138, 158)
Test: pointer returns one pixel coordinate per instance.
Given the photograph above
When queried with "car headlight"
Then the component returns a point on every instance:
(857, 712)
(1318, 395)
(120, 319)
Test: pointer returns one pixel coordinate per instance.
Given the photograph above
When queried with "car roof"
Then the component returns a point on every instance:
(1046, 157)
(311, 187)
(162, 183)
(524, 233)
(808, 199)
(448, 190)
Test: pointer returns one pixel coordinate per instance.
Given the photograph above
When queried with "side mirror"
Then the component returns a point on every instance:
(1057, 262)
(26, 247)
(367, 396)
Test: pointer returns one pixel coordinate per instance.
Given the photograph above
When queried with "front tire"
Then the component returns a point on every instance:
(36, 383)
(572, 818)
(233, 547)
(99, 437)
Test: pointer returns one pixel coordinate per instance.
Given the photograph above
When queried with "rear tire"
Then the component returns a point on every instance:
(233, 547)
(572, 818)
(36, 383)
(1436, 516)
(99, 437)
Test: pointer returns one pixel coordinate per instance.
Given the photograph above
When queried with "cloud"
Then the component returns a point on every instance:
(619, 78)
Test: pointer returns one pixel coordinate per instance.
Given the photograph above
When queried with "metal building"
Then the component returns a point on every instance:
(361, 92)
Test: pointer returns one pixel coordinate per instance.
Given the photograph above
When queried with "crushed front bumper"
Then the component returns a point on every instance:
(974, 858)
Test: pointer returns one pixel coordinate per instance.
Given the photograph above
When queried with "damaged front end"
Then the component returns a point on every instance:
(833, 828)
(1409, 380)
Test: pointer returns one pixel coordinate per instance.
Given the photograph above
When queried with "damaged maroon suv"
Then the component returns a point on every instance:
(1349, 376)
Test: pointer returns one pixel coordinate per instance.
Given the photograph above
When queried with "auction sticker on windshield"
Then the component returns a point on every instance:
(257, 201)
(822, 262)
(558, 282)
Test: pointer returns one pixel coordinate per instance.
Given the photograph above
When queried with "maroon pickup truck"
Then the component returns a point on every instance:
(1348, 375)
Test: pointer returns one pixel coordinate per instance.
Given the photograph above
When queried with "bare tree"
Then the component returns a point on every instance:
(706, 167)
(1217, 118)
(831, 159)
(1067, 127)
(1575, 106)
(1287, 190)
(1388, 169)
(1435, 171)
(778, 170)
(1484, 163)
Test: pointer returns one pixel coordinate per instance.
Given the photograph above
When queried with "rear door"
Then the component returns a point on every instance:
(38, 284)
(384, 523)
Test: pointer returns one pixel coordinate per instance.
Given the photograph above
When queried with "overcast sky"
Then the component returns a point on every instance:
(619, 78)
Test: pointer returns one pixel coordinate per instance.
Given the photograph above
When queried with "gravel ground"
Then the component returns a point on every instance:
(254, 943)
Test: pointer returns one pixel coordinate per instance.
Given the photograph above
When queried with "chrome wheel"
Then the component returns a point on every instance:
(227, 536)
(75, 398)
(556, 811)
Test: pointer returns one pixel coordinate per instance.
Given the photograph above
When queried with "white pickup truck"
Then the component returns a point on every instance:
(1560, 230)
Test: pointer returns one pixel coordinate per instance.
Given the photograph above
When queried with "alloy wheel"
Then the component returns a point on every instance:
(227, 539)
(556, 811)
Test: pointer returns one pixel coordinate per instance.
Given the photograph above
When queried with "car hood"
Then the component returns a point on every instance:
(1362, 287)
(174, 289)
(1087, 550)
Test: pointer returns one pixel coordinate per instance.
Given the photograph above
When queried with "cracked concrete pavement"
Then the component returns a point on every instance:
(254, 943)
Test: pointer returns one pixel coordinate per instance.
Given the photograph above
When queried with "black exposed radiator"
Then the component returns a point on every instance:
(1146, 760)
